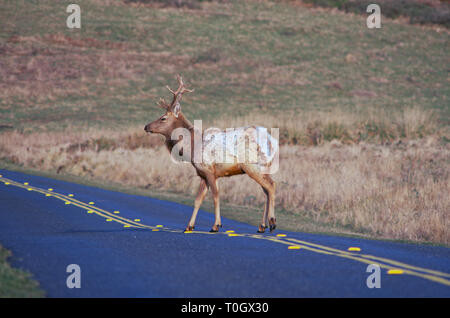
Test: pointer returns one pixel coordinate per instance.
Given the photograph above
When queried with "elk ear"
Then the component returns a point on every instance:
(176, 109)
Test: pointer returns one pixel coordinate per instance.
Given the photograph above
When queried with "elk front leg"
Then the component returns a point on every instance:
(202, 190)
(213, 184)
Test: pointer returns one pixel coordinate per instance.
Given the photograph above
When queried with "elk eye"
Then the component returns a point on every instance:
(163, 119)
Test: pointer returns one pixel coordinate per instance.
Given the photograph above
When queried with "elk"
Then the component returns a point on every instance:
(210, 170)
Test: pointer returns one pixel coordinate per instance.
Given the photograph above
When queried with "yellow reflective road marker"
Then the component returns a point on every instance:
(281, 235)
(137, 220)
(161, 226)
(294, 247)
(127, 225)
(30, 189)
(108, 220)
(70, 195)
(187, 232)
(354, 249)
(67, 202)
(25, 183)
(229, 231)
(90, 211)
(91, 203)
(50, 189)
(395, 271)
(155, 230)
(6, 183)
(233, 234)
(48, 195)
(116, 212)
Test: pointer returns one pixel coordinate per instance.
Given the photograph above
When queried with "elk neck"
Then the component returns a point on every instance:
(182, 122)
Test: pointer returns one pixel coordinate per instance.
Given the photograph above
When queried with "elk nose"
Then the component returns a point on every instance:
(147, 128)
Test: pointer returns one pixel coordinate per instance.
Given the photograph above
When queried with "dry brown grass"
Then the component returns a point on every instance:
(397, 189)
(364, 125)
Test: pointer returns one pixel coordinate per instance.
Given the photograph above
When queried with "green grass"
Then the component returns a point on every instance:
(268, 57)
(436, 12)
(15, 283)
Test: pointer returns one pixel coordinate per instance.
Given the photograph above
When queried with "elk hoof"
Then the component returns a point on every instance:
(215, 228)
(261, 228)
(189, 228)
(272, 225)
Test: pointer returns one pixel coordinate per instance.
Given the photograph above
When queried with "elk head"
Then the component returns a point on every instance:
(173, 117)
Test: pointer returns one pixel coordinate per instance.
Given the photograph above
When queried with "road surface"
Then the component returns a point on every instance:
(134, 246)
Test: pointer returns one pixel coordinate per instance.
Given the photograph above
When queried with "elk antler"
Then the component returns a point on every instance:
(179, 92)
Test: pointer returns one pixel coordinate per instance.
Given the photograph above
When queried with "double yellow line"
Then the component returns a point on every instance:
(91, 208)
(391, 265)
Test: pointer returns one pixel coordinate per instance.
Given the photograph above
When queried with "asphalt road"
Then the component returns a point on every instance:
(141, 251)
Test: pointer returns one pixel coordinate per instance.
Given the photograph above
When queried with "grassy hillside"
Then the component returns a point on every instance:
(435, 12)
(16, 283)
(363, 114)
(241, 56)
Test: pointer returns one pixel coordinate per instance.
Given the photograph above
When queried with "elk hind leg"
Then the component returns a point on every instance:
(271, 202)
(268, 185)
(264, 223)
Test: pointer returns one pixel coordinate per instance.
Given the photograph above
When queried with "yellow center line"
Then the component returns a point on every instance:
(371, 257)
(432, 275)
(85, 206)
